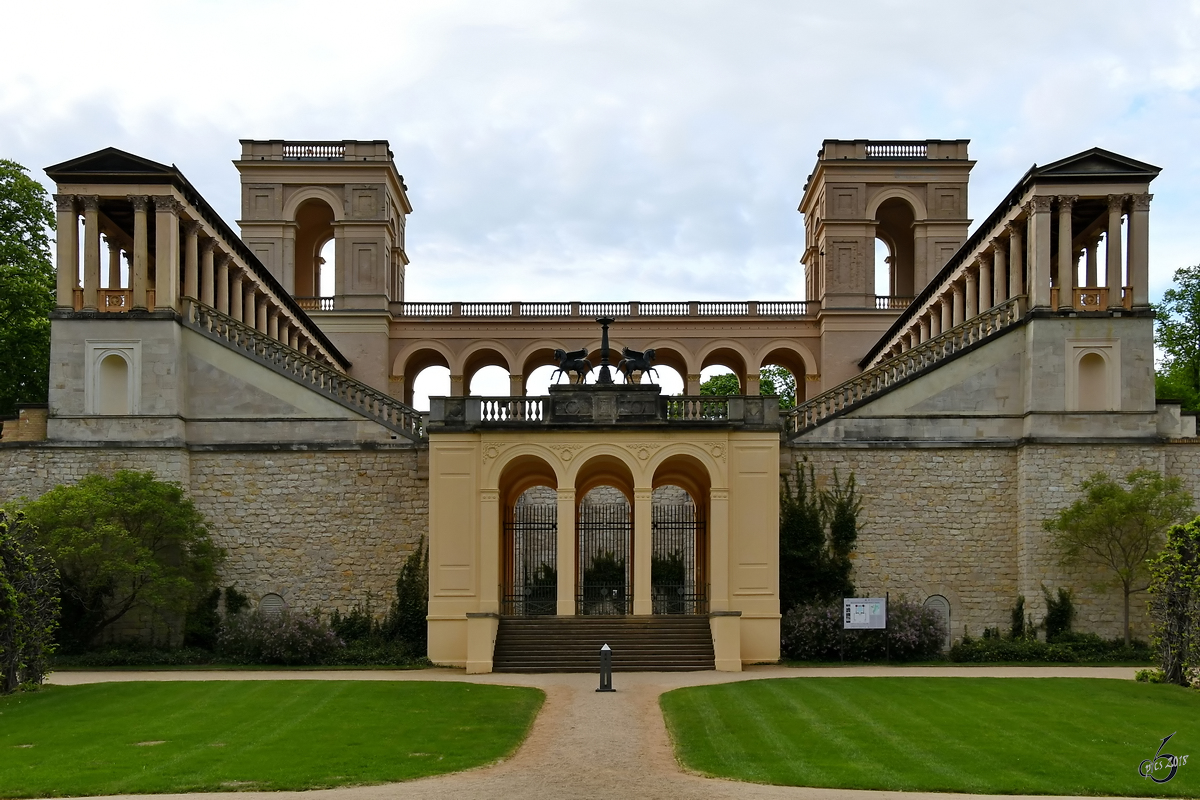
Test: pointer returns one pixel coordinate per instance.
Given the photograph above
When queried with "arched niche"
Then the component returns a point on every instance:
(113, 387)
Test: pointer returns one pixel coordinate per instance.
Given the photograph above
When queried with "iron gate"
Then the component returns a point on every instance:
(678, 582)
(531, 574)
(604, 578)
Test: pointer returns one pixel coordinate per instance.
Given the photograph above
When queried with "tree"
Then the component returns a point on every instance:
(27, 288)
(1118, 528)
(1175, 604)
(121, 543)
(28, 605)
(1177, 338)
(406, 620)
(815, 565)
(772, 380)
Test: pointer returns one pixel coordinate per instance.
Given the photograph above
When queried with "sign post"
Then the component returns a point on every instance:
(866, 614)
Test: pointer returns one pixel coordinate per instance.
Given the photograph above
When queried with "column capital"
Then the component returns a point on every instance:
(489, 495)
(1013, 228)
(220, 257)
(207, 245)
(164, 202)
(1038, 204)
(565, 493)
(1141, 202)
(721, 494)
(1065, 201)
(90, 202)
(140, 202)
(643, 495)
(64, 202)
(1116, 202)
(191, 227)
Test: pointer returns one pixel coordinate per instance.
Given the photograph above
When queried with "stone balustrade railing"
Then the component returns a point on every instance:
(347, 391)
(470, 310)
(861, 388)
(698, 409)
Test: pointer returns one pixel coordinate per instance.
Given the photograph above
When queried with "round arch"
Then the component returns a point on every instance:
(609, 467)
(521, 472)
(686, 471)
(314, 218)
(331, 198)
(920, 212)
(413, 359)
(670, 353)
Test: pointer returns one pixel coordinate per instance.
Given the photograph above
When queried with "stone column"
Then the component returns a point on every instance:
(934, 313)
(516, 385)
(957, 316)
(91, 251)
(999, 271)
(273, 324)
(1112, 241)
(236, 296)
(285, 330)
(191, 259)
(753, 384)
(1089, 272)
(718, 530)
(166, 252)
(114, 262)
(221, 287)
(1016, 268)
(692, 384)
(972, 292)
(261, 308)
(923, 329)
(140, 276)
(458, 386)
(566, 552)
(249, 303)
(206, 271)
(1139, 249)
(490, 535)
(947, 313)
(1038, 211)
(985, 282)
(1066, 264)
(66, 251)
(642, 550)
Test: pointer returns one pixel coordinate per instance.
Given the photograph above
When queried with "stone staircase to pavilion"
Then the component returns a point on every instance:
(665, 643)
(896, 371)
(306, 371)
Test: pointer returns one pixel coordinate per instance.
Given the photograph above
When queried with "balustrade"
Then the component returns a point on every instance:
(737, 308)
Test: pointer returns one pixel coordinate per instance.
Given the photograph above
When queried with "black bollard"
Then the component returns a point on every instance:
(606, 670)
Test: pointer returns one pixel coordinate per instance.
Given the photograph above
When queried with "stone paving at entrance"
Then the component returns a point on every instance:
(584, 744)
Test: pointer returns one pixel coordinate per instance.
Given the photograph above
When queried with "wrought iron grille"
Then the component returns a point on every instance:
(531, 574)
(678, 574)
(605, 576)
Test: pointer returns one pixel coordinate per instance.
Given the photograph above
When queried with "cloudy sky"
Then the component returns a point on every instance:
(612, 150)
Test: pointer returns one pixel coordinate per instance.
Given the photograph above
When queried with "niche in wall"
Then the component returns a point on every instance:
(113, 378)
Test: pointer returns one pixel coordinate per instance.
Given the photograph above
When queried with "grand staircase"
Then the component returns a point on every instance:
(572, 644)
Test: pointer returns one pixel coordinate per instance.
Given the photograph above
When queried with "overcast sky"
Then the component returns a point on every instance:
(612, 150)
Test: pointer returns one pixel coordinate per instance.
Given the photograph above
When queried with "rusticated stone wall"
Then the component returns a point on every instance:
(324, 529)
(966, 523)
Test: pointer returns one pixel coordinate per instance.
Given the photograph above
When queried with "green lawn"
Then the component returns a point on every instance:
(979, 735)
(134, 738)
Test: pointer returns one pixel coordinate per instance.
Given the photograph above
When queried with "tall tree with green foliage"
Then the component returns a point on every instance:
(406, 621)
(1177, 339)
(817, 533)
(27, 288)
(29, 605)
(1175, 604)
(121, 543)
(1118, 527)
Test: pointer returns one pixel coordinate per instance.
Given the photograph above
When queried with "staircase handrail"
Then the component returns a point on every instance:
(351, 393)
(866, 385)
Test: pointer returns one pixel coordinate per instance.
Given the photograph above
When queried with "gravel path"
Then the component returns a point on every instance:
(585, 744)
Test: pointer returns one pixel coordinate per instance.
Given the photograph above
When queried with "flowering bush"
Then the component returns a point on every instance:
(813, 632)
(276, 638)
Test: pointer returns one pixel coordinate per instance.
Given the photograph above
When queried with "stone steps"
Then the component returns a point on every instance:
(572, 644)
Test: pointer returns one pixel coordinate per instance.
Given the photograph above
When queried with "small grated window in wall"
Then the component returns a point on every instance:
(272, 604)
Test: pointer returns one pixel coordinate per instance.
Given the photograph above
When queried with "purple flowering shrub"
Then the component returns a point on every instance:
(813, 632)
(277, 638)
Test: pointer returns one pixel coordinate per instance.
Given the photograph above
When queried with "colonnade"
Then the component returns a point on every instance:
(190, 259)
(1014, 257)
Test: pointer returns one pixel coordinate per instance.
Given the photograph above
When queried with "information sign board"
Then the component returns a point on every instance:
(864, 613)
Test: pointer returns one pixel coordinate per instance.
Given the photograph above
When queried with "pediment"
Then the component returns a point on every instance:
(111, 162)
(1098, 163)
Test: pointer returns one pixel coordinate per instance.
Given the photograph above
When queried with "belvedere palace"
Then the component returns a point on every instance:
(999, 368)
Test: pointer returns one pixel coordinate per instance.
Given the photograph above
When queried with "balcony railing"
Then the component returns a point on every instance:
(1092, 298)
(884, 302)
(897, 150)
(562, 310)
(317, 151)
(117, 300)
(315, 303)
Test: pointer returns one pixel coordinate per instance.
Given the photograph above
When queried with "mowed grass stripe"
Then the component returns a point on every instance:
(981, 735)
(264, 735)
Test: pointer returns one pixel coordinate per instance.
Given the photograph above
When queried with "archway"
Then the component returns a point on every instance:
(894, 227)
(314, 229)
(679, 538)
(529, 564)
(604, 538)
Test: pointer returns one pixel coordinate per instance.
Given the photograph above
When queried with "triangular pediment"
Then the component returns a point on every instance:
(1097, 163)
(110, 162)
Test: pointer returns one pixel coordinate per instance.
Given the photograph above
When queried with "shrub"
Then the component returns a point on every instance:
(202, 622)
(235, 601)
(1060, 613)
(813, 632)
(277, 638)
(405, 621)
(1068, 649)
(29, 605)
(134, 654)
(1175, 604)
(817, 533)
(1017, 630)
